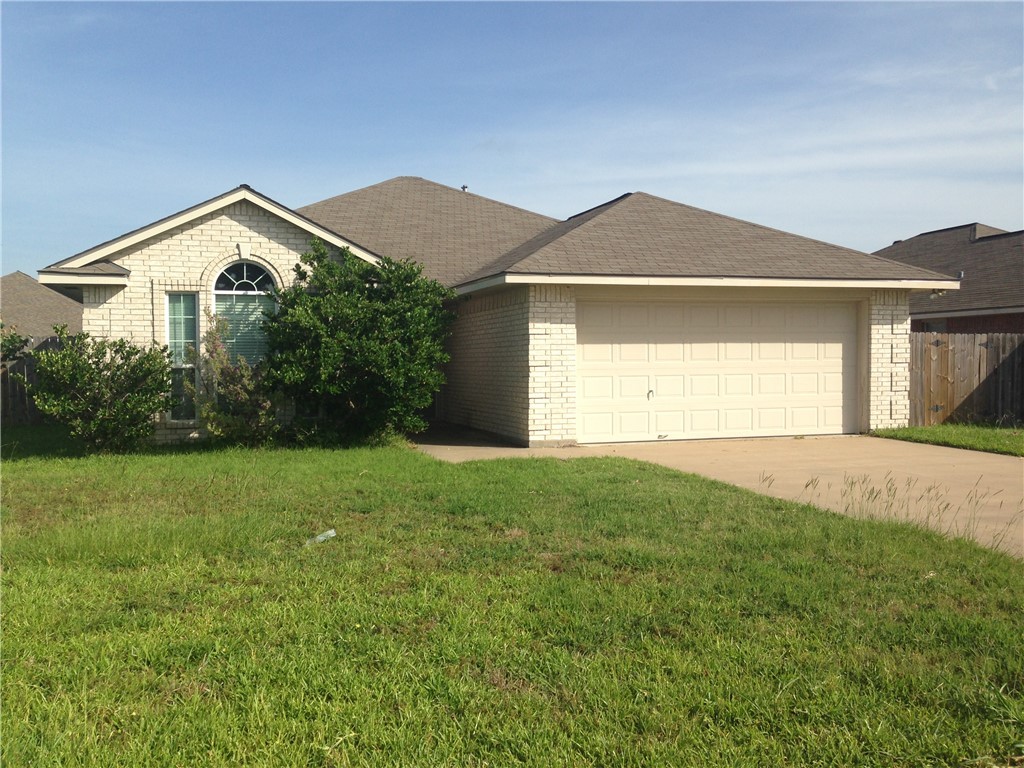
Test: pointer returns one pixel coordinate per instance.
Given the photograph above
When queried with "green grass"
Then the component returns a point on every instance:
(974, 437)
(163, 610)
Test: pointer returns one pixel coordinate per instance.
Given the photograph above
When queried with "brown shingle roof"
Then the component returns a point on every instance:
(33, 309)
(991, 259)
(450, 232)
(643, 235)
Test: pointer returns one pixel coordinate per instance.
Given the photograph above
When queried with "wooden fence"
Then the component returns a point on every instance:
(967, 378)
(16, 405)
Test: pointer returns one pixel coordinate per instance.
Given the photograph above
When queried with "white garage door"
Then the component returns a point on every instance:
(670, 371)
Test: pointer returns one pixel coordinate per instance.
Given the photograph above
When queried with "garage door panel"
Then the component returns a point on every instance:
(771, 418)
(804, 383)
(771, 350)
(665, 352)
(705, 421)
(704, 352)
(633, 353)
(771, 384)
(633, 315)
(635, 425)
(739, 350)
(738, 384)
(703, 317)
(771, 317)
(593, 352)
(671, 370)
(739, 419)
(597, 387)
(738, 317)
(633, 387)
(669, 386)
(804, 418)
(670, 422)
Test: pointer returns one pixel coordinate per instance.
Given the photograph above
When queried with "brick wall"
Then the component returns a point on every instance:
(552, 417)
(889, 359)
(513, 369)
(487, 380)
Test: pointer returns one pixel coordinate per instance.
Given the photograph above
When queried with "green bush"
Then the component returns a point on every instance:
(106, 391)
(359, 346)
(12, 344)
(232, 400)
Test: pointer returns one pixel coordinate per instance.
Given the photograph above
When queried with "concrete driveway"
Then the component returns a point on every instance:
(961, 493)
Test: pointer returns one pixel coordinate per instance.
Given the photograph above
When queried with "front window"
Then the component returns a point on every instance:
(241, 297)
(183, 332)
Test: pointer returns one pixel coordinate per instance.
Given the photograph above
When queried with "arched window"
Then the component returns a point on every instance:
(240, 296)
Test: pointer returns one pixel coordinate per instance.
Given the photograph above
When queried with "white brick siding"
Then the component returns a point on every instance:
(188, 259)
(889, 359)
(552, 416)
(513, 369)
(487, 378)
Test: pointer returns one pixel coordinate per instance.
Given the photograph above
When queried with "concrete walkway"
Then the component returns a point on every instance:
(961, 493)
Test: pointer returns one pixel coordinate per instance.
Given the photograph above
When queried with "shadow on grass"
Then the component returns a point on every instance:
(52, 441)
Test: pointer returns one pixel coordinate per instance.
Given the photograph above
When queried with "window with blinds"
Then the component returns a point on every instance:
(240, 297)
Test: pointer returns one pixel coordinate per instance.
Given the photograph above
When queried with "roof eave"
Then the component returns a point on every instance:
(71, 278)
(721, 282)
(107, 249)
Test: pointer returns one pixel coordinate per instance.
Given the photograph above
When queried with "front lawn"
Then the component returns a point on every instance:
(165, 610)
(974, 437)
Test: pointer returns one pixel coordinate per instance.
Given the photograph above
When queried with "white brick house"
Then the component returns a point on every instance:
(641, 319)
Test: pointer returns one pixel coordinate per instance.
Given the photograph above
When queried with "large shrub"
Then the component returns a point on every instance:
(233, 403)
(106, 391)
(359, 346)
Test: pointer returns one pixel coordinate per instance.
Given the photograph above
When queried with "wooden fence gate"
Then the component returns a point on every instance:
(968, 378)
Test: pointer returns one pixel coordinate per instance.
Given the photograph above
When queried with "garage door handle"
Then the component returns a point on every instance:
(650, 393)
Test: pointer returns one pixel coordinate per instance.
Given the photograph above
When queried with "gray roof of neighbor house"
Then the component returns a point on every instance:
(991, 259)
(448, 231)
(642, 235)
(33, 309)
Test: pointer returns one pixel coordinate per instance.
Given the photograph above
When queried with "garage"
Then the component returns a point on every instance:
(676, 370)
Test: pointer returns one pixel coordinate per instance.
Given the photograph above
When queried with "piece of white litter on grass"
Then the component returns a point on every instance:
(322, 537)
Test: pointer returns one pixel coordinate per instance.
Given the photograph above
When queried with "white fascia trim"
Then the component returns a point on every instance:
(966, 313)
(98, 254)
(722, 282)
(51, 279)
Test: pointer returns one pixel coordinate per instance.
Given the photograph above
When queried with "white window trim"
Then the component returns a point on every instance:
(167, 335)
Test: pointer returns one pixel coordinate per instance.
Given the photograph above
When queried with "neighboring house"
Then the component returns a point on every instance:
(990, 265)
(32, 310)
(641, 319)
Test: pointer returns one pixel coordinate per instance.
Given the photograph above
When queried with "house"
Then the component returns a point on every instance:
(32, 310)
(640, 319)
(990, 265)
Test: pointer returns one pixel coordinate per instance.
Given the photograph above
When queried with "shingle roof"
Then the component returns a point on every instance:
(643, 235)
(33, 309)
(450, 232)
(96, 268)
(991, 259)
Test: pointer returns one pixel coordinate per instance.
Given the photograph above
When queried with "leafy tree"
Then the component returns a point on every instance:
(361, 345)
(234, 405)
(12, 344)
(106, 390)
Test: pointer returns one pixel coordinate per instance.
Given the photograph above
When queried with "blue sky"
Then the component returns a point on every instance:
(855, 123)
